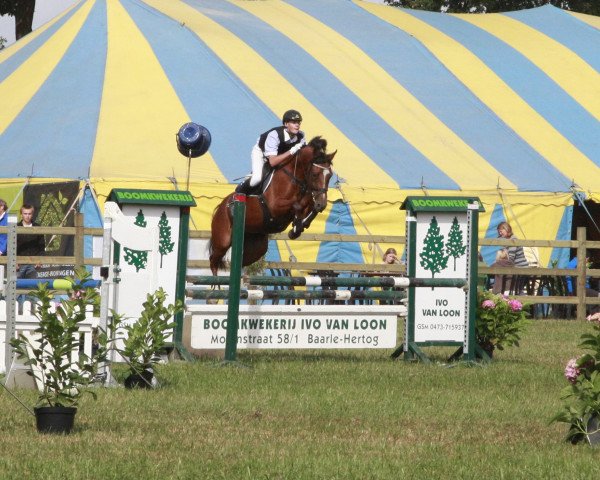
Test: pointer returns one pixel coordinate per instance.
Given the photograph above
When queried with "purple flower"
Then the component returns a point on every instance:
(488, 304)
(515, 305)
(571, 371)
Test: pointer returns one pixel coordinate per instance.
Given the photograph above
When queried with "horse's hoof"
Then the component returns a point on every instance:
(293, 234)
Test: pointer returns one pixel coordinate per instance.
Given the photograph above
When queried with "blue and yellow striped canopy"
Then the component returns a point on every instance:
(502, 106)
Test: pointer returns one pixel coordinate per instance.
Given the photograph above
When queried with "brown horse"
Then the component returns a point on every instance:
(297, 192)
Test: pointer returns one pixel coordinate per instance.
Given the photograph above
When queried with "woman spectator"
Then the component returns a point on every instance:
(390, 256)
(515, 253)
(501, 281)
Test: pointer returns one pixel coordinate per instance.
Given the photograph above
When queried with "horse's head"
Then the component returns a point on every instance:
(319, 171)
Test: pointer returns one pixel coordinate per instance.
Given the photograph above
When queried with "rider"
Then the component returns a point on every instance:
(274, 146)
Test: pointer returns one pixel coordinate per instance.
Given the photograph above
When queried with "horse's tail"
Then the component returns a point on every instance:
(215, 263)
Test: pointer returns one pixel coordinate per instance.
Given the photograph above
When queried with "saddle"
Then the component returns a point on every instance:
(270, 225)
(267, 176)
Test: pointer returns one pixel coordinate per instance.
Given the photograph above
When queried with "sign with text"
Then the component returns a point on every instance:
(301, 326)
(441, 243)
(441, 252)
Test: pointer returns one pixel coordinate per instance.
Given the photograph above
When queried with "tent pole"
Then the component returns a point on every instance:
(17, 195)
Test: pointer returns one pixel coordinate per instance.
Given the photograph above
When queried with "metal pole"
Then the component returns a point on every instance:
(472, 276)
(182, 253)
(187, 184)
(11, 294)
(105, 270)
(105, 295)
(237, 252)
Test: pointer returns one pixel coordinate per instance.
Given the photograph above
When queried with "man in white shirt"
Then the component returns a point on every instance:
(274, 146)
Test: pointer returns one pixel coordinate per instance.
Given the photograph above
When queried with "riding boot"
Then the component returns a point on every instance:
(244, 187)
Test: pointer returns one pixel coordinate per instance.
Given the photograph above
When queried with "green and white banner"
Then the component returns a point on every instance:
(441, 252)
(298, 326)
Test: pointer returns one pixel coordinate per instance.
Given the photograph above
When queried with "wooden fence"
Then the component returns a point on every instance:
(581, 245)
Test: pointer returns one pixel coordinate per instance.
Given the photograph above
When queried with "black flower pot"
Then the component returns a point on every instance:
(489, 349)
(143, 380)
(593, 427)
(54, 419)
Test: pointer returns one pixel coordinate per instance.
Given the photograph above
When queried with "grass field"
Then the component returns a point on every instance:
(320, 415)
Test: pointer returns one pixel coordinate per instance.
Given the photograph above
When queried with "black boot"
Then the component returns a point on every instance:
(244, 187)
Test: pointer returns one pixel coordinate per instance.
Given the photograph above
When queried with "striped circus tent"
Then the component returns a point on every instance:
(502, 106)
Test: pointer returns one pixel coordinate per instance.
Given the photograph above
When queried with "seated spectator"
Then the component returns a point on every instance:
(515, 253)
(390, 256)
(502, 281)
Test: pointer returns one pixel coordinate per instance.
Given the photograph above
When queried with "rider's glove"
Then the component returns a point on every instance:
(295, 148)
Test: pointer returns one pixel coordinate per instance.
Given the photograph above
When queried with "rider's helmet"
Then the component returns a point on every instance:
(291, 116)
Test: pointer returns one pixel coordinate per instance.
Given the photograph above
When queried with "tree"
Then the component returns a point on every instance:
(432, 256)
(591, 7)
(137, 258)
(23, 11)
(165, 246)
(455, 246)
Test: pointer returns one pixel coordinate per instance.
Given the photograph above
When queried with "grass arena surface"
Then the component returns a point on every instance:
(320, 415)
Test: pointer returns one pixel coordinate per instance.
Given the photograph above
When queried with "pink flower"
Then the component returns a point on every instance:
(571, 371)
(515, 305)
(76, 295)
(488, 304)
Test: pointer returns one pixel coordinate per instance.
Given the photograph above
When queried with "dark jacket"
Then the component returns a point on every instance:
(30, 244)
(283, 147)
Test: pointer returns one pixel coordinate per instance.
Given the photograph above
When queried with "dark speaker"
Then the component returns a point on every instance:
(193, 140)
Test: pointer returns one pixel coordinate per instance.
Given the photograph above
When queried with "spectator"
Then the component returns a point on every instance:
(29, 244)
(390, 256)
(502, 281)
(515, 253)
(3, 223)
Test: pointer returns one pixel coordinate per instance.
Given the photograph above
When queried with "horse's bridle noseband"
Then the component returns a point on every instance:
(304, 185)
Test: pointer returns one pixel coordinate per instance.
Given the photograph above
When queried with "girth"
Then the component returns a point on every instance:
(270, 224)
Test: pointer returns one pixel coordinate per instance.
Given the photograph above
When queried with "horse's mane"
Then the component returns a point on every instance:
(318, 144)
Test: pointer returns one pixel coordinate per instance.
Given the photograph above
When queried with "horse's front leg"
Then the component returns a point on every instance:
(299, 223)
(306, 221)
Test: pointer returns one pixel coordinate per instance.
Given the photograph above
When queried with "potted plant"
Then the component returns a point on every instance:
(582, 396)
(53, 353)
(500, 321)
(147, 337)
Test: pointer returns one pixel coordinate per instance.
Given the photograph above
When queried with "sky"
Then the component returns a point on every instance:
(45, 10)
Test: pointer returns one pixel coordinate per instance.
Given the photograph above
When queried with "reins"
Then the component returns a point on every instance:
(305, 187)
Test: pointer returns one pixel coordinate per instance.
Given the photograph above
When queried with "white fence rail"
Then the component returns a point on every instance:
(26, 323)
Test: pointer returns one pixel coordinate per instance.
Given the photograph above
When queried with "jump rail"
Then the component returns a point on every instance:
(313, 281)
(298, 294)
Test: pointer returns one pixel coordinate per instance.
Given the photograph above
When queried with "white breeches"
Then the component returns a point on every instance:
(258, 160)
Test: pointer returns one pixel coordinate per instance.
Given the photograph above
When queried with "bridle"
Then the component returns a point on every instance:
(326, 171)
(306, 183)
